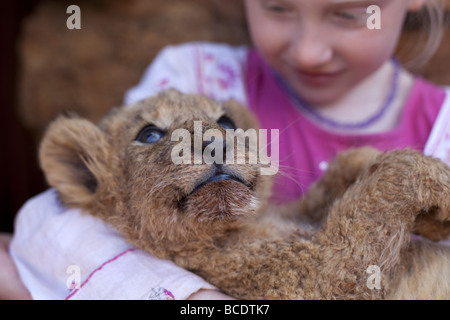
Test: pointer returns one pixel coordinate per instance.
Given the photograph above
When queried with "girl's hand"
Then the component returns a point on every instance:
(11, 287)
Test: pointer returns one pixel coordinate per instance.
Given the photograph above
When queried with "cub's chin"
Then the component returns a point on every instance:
(221, 197)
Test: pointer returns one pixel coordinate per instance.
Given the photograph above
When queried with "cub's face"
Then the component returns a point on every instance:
(152, 170)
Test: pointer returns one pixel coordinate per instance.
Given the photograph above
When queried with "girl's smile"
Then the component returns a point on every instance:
(318, 79)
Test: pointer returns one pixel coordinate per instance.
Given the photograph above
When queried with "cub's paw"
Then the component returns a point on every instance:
(433, 224)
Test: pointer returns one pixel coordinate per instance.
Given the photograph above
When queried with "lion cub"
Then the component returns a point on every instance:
(349, 237)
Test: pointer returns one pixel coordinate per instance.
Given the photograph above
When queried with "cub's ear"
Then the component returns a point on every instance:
(242, 117)
(74, 156)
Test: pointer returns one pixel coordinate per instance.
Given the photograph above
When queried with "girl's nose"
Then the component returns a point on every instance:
(311, 49)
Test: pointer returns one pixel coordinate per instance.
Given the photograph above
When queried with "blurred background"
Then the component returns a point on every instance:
(47, 69)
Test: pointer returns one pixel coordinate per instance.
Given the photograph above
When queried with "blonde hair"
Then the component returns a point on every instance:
(422, 36)
(422, 33)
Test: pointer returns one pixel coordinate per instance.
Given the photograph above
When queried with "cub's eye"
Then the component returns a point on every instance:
(150, 134)
(226, 123)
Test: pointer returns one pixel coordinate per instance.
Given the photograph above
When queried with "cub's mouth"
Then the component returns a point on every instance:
(231, 185)
(220, 173)
(220, 176)
(219, 193)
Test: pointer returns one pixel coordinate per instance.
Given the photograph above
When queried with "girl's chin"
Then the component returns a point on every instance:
(321, 90)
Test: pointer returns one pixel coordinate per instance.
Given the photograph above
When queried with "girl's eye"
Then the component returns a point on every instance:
(226, 123)
(150, 134)
(346, 15)
(275, 7)
(351, 16)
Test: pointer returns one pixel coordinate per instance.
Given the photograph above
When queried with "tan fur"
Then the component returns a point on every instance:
(360, 214)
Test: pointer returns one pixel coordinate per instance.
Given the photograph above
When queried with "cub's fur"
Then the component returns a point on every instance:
(214, 219)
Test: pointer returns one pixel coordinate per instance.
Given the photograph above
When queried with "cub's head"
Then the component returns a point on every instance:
(151, 170)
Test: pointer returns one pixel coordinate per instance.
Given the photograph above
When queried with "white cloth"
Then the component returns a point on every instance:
(211, 69)
(64, 254)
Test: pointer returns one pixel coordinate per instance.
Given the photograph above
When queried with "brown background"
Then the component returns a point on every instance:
(47, 69)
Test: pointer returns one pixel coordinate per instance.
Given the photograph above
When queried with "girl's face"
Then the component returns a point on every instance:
(323, 48)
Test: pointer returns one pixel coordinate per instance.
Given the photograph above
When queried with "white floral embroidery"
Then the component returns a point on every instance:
(160, 294)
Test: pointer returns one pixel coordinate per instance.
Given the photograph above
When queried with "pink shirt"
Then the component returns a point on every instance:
(305, 148)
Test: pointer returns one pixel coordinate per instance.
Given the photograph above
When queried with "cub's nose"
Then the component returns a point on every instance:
(213, 139)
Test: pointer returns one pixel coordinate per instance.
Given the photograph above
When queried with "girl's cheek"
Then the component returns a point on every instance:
(371, 45)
